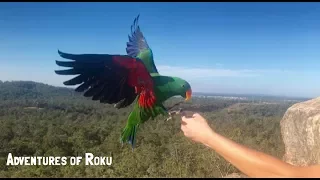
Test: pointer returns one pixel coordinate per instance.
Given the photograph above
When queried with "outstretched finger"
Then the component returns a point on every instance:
(196, 115)
(184, 118)
(187, 114)
(183, 121)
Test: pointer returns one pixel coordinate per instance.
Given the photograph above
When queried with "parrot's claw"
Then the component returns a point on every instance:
(175, 112)
(171, 113)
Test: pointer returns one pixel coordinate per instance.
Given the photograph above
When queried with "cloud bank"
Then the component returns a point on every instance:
(194, 72)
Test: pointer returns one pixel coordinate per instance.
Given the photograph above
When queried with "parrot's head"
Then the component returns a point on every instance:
(182, 87)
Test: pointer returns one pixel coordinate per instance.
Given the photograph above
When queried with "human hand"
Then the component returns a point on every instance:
(196, 128)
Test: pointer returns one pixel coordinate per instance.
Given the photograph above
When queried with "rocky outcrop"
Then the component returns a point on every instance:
(300, 129)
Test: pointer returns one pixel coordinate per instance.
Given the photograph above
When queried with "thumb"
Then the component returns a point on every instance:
(196, 115)
(183, 120)
(183, 123)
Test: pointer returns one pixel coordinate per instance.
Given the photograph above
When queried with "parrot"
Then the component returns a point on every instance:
(125, 79)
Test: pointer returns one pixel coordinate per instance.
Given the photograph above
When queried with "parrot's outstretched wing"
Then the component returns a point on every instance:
(138, 47)
(112, 79)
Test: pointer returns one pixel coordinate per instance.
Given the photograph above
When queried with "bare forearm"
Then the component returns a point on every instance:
(250, 162)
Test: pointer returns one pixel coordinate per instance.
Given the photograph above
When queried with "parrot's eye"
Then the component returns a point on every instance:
(183, 85)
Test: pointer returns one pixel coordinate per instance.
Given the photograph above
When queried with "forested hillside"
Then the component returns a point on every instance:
(42, 120)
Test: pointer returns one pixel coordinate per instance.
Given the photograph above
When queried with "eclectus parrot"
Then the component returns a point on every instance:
(125, 79)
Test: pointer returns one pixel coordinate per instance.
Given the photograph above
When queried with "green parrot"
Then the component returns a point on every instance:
(125, 79)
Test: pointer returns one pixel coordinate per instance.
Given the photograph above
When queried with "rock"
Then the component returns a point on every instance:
(235, 175)
(300, 130)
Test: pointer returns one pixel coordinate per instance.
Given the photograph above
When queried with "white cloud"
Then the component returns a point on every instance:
(204, 72)
(218, 79)
(194, 72)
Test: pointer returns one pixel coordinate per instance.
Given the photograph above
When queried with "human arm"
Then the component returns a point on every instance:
(251, 162)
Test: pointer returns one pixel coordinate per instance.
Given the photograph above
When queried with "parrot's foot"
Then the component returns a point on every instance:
(171, 113)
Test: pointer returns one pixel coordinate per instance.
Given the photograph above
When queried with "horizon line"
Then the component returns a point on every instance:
(195, 92)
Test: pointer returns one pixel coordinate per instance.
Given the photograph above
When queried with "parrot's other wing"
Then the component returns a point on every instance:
(111, 79)
(138, 47)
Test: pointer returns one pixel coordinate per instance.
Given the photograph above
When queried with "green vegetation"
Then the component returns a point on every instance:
(41, 120)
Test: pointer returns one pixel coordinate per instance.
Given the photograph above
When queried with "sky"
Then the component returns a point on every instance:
(245, 48)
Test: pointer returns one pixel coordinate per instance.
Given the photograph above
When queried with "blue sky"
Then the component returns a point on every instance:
(261, 48)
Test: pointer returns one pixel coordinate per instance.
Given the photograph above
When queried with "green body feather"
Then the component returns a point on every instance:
(164, 89)
(146, 56)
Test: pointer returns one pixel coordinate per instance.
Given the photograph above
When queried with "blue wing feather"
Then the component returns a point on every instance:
(138, 45)
(137, 42)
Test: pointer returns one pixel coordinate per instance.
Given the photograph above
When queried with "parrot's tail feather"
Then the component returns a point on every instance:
(129, 135)
(137, 117)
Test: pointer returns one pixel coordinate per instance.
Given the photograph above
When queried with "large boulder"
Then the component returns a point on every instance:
(300, 129)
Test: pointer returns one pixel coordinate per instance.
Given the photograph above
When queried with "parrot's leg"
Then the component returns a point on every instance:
(171, 113)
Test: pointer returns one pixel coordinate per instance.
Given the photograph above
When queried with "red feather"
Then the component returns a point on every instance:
(139, 78)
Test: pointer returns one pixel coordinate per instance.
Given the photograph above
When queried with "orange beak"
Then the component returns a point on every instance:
(188, 94)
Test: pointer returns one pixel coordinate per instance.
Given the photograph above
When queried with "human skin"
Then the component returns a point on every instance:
(250, 162)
